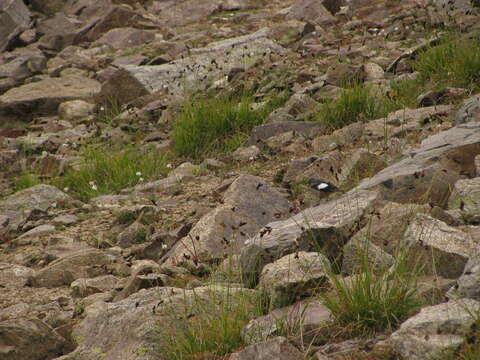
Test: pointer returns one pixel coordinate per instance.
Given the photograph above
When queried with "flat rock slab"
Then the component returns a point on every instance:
(277, 348)
(326, 227)
(195, 72)
(434, 330)
(429, 173)
(44, 97)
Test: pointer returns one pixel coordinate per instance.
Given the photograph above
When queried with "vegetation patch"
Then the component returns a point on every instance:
(26, 180)
(371, 302)
(106, 171)
(358, 103)
(214, 126)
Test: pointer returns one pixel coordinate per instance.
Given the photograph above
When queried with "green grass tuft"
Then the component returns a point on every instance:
(109, 171)
(454, 62)
(26, 180)
(358, 103)
(214, 126)
(372, 302)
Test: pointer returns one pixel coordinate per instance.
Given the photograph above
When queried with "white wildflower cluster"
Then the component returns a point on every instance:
(139, 174)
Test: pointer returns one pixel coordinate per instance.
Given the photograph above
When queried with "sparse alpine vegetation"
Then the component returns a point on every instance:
(216, 126)
(107, 171)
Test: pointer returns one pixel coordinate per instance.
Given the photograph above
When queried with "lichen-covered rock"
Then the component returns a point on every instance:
(294, 276)
(466, 197)
(435, 330)
(277, 348)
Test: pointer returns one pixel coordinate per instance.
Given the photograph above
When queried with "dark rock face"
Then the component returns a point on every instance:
(14, 18)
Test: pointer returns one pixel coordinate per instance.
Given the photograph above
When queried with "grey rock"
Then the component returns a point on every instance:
(248, 204)
(125, 37)
(469, 110)
(75, 110)
(43, 97)
(87, 263)
(86, 287)
(466, 197)
(29, 339)
(435, 330)
(40, 197)
(261, 133)
(439, 248)
(14, 19)
(310, 11)
(245, 154)
(196, 71)
(136, 233)
(429, 173)
(12, 275)
(306, 316)
(277, 348)
(468, 285)
(359, 249)
(327, 226)
(294, 276)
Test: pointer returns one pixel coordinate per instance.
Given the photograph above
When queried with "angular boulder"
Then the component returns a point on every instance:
(466, 197)
(429, 173)
(435, 330)
(325, 228)
(248, 204)
(277, 348)
(14, 19)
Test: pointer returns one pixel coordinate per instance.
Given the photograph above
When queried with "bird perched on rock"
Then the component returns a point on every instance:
(321, 185)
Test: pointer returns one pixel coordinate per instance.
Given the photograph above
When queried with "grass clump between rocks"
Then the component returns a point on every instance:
(109, 171)
(358, 103)
(370, 301)
(211, 328)
(214, 126)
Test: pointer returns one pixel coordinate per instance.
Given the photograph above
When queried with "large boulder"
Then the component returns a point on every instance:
(435, 330)
(40, 197)
(193, 72)
(466, 197)
(248, 204)
(30, 339)
(87, 263)
(429, 173)
(470, 110)
(440, 249)
(44, 97)
(311, 11)
(326, 227)
(14, 19)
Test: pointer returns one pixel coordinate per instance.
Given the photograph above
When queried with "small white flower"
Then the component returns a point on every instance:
(251, 158)
(169, 166)
(44, 153)
(94, 187)
(66, 189)
(65, 145)
(164, 246)
(102, 108)
(141, 179)
(138, 173)
(91, 183)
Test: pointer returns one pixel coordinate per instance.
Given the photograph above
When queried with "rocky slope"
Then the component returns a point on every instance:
(97, 277)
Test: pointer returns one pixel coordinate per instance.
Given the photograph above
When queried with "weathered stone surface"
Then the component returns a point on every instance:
(184, 12)
(294, 276)
(466, 197)
(13, 275)
(136, 233)
(249, 153)
(327, 226)
(468, 285)
(43, 97)
(16, 71)
(31, 339)
(194, 72)
(75, 110)
(358, 249)
(440, 249)
(82, 264)
(341, 74)
(310, 11)
(429, 173)
(276, 348)
(434, 330)
(14, 19)
(347, 135)
(261, 133)
(41, 197)
(307, 316)
(469, 111)
(248, 204)
(121, 38)
(85, 287)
